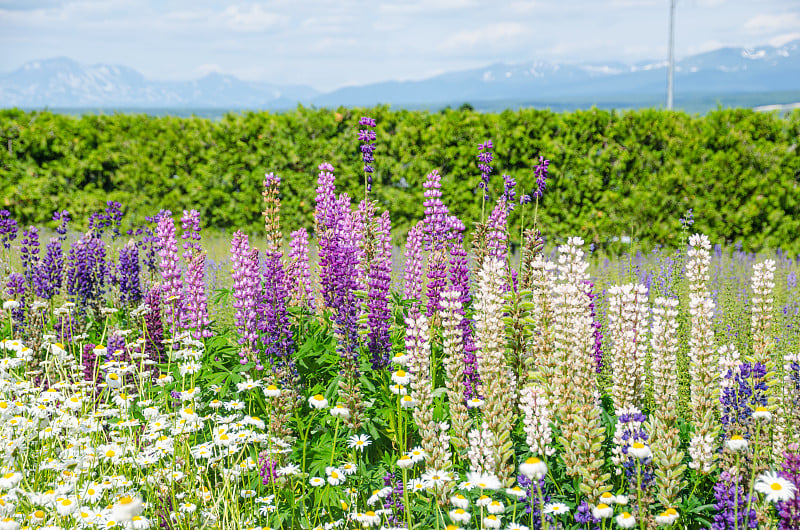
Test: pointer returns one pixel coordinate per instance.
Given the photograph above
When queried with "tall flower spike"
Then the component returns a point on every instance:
(665, 438)
(453, 350)
(130, 290)
(367, 138)
(171, 283)
(485, 158)
(50, 273)
(196, 302)
(298, 270)
(703, 372)
(246, 287)
(412, 275)
(498, 389)
(574, 378)
(379, 279)
(627, 315)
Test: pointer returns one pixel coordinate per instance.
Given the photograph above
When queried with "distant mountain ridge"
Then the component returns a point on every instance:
(62, 82)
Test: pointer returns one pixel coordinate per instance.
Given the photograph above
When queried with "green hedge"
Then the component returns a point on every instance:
(612, 174)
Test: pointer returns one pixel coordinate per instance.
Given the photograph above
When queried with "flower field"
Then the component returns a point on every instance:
(321, 382)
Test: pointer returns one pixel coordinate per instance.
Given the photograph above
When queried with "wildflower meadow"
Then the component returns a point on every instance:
(468, 378)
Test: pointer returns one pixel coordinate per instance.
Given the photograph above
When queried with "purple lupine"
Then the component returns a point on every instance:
(299, 273)
(267, 469)
(50, 273)
(533, 504)
(130, 290)
(732, 502)
(509, 191)
(110, 217)
(583, 516)
(541, 172)
(147, 243)
(15, 289)
(497, 236)
(631, 427)
(485, 158)
(246, 287)
(29, 253)
(596, 325)
(789, 511)
(195, 310)
(379, 279)
(8, 229)
(436, 214)
(63, 218)
(459, 280)
(154, 326)
(86, 271)
(367, 138)
(412, 275)
(343, 262)
(116, 348)
(190, 222)
(739, 399)
(170, 271)
(394, 501)
(273, 322)
(323, 221)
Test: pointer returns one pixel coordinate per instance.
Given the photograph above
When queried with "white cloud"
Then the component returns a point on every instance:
(706, 46)
(251, 18)
(499, 36)
(785, 38)
(425, 6)
(632, 3)
(769, 23)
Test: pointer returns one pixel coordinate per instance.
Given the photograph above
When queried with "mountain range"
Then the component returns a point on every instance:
(763, 75)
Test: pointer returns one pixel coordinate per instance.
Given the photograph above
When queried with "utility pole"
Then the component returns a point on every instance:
(671, 66)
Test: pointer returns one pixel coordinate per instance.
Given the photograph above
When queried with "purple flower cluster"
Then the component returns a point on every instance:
(485, 158)
(15, 289)
(190, 222)
(63, 218)
(147, 243)
(739, 399)
(110, 217)
(170, 272)
(195, 310)
(541, 171)
(632, 427)
(789, 511)
(367, 138)
(268, 469)
(509, 191)
(299, 273)
(276, 331)
(436, 212)
(596, 325)
(497, 236)
(412, 275)
(86, 271)
(29, 253)
(534, 505)
(394, 501)
(154, 326)
(8, 229)
(732, 502)
(379, 280)
(130, 290)
(246, 291)
(50, 273)
(583, 515)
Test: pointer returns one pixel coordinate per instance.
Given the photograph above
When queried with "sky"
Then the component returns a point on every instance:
(328, 44)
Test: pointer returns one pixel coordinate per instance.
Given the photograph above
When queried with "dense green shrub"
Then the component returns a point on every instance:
(612, 174)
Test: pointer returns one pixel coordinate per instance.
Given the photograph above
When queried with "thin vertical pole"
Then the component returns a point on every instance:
(671, 67)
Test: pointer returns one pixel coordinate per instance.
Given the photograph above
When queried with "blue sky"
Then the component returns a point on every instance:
(331, 43)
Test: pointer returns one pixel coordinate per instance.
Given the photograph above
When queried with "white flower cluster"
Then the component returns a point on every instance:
(627, 318)
(536, 421)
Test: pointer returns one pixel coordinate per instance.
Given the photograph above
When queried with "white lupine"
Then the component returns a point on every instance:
(536, 421)
(664, 436)
(481, 457)
(453, 350)
(703, 366)
(627, 317)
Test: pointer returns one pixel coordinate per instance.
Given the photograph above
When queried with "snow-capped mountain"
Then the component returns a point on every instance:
(62, 82)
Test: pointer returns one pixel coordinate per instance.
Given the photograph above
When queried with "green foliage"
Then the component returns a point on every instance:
(612, 174)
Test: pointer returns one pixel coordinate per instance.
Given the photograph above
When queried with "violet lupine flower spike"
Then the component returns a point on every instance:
(64, 219)
(245, 275)
(190, 222)
(299, 272)
(130, 290)
(196, 303)
(170, 272)
(50, 273)
(86, 271)
(485, 158)
(541, 172)
(379, 279)
(367, 138)
(29, 253)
